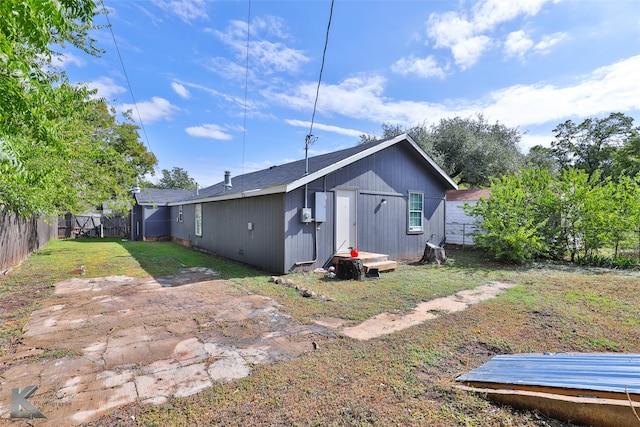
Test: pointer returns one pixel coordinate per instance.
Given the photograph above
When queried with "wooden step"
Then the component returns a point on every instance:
(387, 265)
(370, 260)
(366, 257)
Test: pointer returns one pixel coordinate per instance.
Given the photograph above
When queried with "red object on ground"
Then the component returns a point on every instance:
(354, 253)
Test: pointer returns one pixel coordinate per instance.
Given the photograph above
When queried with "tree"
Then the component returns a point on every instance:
(475, 151)
(534, 215)
(470, 150)
(542, 158)
(593, 144)
(627, 158)
(176, 179)
(514, 219)
(60, 148)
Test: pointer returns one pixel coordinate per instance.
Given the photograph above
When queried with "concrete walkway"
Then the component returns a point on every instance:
(388, 323)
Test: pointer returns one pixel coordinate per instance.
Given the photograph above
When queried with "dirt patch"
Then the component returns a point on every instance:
(100, 343)
(387, 323)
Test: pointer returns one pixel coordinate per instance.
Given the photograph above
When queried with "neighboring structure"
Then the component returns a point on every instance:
(386, 197)
(151, 215)
(459, 224)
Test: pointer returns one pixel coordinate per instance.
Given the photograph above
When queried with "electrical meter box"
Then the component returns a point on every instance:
(305, 215)
(321, 207)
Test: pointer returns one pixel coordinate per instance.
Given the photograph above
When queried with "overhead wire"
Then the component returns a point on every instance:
(310, 138)
(126, 76)
(324, 53)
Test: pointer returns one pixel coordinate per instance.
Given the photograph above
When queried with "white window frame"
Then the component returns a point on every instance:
(180, 214)
(198, 219)
(417, 228)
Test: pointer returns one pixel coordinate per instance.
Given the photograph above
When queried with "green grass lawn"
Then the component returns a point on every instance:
(401, 379)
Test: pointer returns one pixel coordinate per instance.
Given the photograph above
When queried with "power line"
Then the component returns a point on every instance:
(124, 70)
(324, 53)
(310, 138)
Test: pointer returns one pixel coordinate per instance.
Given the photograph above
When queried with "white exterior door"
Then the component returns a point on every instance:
(346, 223)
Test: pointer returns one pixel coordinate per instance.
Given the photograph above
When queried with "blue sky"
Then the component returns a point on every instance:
(530, 64)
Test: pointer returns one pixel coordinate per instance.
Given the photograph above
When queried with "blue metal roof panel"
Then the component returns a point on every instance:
(610, 372)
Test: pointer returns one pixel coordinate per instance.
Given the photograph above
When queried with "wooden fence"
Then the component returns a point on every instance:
(93, 225)
(19, 237)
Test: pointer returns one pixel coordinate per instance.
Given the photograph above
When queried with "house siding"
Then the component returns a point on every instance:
(225, 230)
(300, 238)
(137, 222)
(460, 226)
(183, 231)
(157, 222)
(382, 228)
(266, 230)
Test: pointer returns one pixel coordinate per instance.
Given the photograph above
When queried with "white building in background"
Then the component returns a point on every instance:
(460, 226)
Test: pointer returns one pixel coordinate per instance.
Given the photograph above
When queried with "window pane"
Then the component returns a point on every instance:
(415, 219)
(416, 203)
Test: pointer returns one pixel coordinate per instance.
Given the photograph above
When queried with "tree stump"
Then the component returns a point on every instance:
(433, 253)
(350, 269)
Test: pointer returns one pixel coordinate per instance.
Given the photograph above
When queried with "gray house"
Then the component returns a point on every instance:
(386, 197)
(151, 215)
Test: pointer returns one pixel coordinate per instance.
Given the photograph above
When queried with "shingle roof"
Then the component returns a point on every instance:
(286, 177)
(160, 196)
(277, 176)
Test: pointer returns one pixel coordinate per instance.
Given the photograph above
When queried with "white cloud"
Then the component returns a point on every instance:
(468, 51)
(454, 32)
(489, 13)
(529, 141)
(106, 87)
(469, 38)
(210, 131)
(327, 128)
(182, 91)
(517, 43)
(359, 98)
(422, 67)
(547, 42)
(265, 55)
(611, 88)
(151, 111)
(186, 10)
(64, 59)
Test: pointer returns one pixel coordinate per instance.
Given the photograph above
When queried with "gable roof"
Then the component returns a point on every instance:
(160, 196)
(287, 177)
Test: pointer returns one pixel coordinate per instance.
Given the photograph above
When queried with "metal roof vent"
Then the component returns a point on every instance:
(227, 181)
